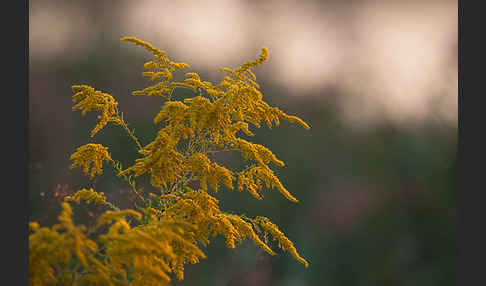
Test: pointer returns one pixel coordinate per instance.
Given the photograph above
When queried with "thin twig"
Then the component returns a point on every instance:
(117, 167)
(131, 133)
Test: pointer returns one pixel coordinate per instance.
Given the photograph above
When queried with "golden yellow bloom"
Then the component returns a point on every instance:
(159, 89)
(33, 226)
(209, 172)
(152, 250)
(163, 67)
(90, 154)
(258, 176)
(146, 45)
(90, 100)
(58, 246)
(283, 242)
(110, 216)
(161, 161)
(249, 65)
(170, 226)
(89, 196)
(218, 174)
(257, 152)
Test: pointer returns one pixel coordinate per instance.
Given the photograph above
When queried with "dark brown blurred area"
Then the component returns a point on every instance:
(376, 81)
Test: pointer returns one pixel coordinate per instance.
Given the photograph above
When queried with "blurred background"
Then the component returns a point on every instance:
(376, 80)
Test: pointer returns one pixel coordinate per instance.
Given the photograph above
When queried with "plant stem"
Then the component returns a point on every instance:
(124, 125)
(117, 167)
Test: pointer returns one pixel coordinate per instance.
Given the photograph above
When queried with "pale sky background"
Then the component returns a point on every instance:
(396, 59)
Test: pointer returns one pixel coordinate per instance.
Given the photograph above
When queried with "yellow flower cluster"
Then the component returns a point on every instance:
(90, 155)
(151, 251)
(161, 160)
(173, 223)
(90, 100)
(209, 172)
(283, 242)
(89, 196)
(253, 180)
(203, 211)
(163, 68)
(147, 253)
(53, 250)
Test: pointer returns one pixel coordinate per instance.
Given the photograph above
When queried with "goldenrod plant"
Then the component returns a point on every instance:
(168, 226)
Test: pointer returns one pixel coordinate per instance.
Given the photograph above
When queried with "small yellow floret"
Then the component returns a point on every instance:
(90, 154)
(90, 100)
(89, 196)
